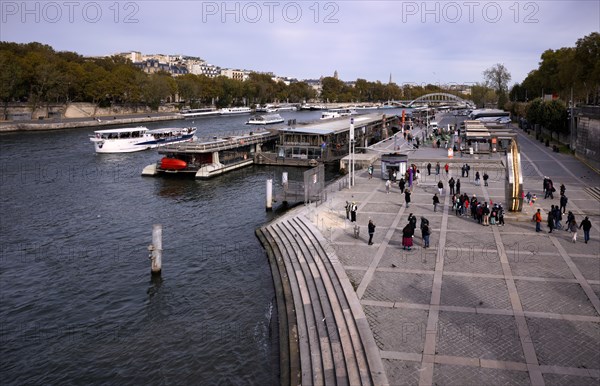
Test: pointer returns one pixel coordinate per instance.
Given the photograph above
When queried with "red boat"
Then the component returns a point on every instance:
(172, 164)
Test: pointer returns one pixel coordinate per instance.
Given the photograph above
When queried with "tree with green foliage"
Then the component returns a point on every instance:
(497, 77)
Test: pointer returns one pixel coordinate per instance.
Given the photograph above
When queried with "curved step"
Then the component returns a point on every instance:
(374, 363)
(289, 361)
(351, 346)
(306, 368)
(331, 352)
(320, 347)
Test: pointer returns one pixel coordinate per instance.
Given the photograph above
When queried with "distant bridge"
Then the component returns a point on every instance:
(433, 98)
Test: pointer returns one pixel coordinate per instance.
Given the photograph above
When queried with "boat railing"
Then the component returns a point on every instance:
(217, 145)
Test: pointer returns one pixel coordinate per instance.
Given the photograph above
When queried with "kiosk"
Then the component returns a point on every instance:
(391, 162)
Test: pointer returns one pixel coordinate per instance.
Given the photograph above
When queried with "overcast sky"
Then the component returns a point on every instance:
(438, 42)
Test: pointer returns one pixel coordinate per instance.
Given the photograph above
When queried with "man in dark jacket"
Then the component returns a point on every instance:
(371, 231)
(425, 232)
(436, 201)
(587, 225)
(451, 183)
(563, 203)
(428, 168)
(550, 221)
(458, 186)
(407, 197)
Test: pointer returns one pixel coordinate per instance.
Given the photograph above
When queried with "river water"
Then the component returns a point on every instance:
(77, 301)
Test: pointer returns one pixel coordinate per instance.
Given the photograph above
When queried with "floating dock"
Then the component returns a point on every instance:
(303, 145)
(211, 158)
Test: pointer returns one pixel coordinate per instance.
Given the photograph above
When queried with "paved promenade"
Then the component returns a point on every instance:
(483, 305)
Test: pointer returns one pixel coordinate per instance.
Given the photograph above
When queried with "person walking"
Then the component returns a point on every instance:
(477, 178)
(417, 177)
(550, 221)
(458, 186)
(436, 201)
(573, 228)
(425, 232)
(451, 183)
(371, 231)
(563, 203)
(549, 189)
(429, 168)
(467, 169)
(353, 209)
(348, 210)
(537, 217)
(447, 168)
(437, 169)
(388, 183)
(500, 216)
(587, 225)
(401, 185)
(485, 179)
(407, 197)
(441, 187)
(570, 219)
(562, 189)
(370, 171)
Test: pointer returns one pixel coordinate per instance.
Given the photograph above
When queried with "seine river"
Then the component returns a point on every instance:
(77, 301)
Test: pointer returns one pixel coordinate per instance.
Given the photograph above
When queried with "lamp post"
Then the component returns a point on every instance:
(351, 152)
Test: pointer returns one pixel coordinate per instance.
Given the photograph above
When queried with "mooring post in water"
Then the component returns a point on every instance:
(269, 194)
(156, 249)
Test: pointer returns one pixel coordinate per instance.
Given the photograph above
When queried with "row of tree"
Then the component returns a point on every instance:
(37, 74)
(564, 71)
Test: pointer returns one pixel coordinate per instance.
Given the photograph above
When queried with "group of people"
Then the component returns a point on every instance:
(484, 213)
(481, 211)
(556, 212)
(408, 232)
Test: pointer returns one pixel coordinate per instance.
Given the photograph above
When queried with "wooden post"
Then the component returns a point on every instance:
(269, 194)
(156, 249)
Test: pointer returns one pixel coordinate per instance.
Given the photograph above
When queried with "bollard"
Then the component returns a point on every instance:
(269, 194)
(156, 249)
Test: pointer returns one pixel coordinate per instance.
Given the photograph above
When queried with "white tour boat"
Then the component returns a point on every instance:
(132, 139)
(336, 113)
(266, 109)
(265, 119)
(192, 113)
(235, 110)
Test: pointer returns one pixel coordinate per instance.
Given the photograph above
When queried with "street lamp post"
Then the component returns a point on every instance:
(351, 152)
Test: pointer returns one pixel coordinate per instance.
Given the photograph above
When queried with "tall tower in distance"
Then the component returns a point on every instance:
(390, 81)
(335, 74)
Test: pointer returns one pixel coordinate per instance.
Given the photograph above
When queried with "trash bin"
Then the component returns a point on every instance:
(356, 231)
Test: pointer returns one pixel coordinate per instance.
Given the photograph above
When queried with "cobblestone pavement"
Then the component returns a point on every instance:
(483, 305)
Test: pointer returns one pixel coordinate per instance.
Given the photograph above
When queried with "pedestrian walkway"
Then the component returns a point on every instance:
(483, 304)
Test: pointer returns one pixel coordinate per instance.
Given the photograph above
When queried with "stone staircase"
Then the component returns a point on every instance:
(594, 192)
(325, 338)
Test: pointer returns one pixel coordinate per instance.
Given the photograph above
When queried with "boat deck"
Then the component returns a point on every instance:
(219, 144)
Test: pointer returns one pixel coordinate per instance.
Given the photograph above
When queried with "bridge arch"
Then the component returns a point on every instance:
(439, 97)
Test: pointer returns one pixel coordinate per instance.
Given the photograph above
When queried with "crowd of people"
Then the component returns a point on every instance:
(463, 205)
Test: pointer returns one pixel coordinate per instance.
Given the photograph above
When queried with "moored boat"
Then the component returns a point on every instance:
(235, 110)
(192, 113)
(132, 139)
(336, 113)
(265, 119)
